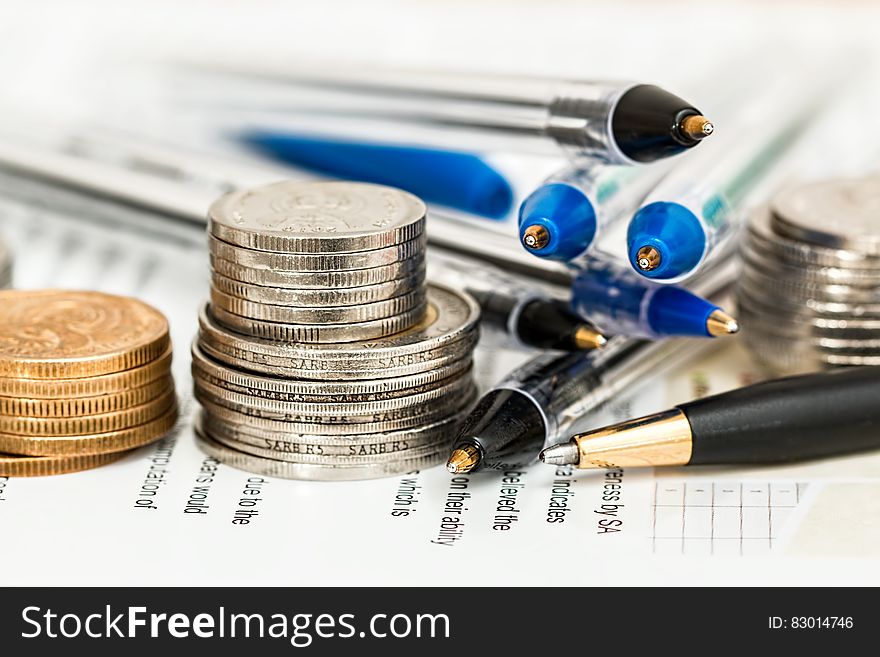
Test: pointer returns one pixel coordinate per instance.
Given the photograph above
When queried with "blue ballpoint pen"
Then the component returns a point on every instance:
(621, 303)
(699, 206)
(455, 179)
(564, 217)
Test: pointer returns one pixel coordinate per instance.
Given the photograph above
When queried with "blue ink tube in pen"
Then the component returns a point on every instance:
(622, 303)
(565, 216)
(700, 204)
(455, 179)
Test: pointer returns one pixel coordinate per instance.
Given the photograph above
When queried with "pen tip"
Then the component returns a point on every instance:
(561, 454)
(463, 459)
(586, 337)
(720, 323)
(535, 237)
(648, 258)
(697, 127)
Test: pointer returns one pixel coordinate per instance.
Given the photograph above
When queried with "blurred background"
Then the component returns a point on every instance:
(88, 58)
(145, 72)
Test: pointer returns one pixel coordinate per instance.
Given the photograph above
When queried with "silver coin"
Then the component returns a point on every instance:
(413, 249)
(323, 425)
(344, 373)
(422, 434)
(317, 217)
(798, 324)
(763, 239)
(779, 360)
(750, 317)
(366, 312)
(837, 360)
(334, 391)
(810, 339)
(323, 280)
(821, 275)
(320, 333)
(284, 410)
(312, 472)
(441, 444)
(331, 297)
(863, 347)
(836, 214)
(354, 445)
(809, 290)
(806, 307)
(438, 387)
(451, 315)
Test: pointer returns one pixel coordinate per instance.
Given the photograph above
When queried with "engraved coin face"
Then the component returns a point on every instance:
(317, 217)
(69, 334)
(836, 214)
(314, 471)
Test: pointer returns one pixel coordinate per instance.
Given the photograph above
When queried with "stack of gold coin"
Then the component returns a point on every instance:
(323, 353)
(85, 377)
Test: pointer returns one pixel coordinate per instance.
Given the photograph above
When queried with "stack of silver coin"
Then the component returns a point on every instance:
(323, 353)
(5, 266)
(809, 294)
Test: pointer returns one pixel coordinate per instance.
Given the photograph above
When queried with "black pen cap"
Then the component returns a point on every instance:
(507, 428)
(647, 123)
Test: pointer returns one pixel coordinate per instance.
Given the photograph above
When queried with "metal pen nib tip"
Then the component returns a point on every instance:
(463, 459)
(536, 237)
(648, 258)
(720, 323)
(586, 337)
(697, 127)
(561, 454)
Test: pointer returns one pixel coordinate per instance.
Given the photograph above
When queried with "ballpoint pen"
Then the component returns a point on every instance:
(623, 303)
(613, 121)
(543, 399)
(455, 179)
(790, 419)
(565, 216)
(528, 317)
(536, 320)
(700, 204)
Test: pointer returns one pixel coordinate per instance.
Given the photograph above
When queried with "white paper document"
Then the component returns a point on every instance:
(169, 514)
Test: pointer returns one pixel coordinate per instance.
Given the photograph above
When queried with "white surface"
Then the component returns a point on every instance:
(89, 528)
(85, 60)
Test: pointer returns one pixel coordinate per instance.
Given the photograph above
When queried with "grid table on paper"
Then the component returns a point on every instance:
(718, 518)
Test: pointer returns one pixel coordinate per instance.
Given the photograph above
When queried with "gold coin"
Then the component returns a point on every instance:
(98, 443)
(40, 466)
(81, 406)
(58, 334)
(92, 386)
(42, 427)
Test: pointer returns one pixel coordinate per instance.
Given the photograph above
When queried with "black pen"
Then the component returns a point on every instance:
(539, 403)
(617, 122)
(790, 419)
(538, 321)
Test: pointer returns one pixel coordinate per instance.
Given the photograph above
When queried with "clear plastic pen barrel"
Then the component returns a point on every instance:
(566, 388)
(455, 111)
(700, 204)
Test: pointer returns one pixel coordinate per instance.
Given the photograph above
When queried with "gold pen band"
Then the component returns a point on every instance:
(661, 439)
